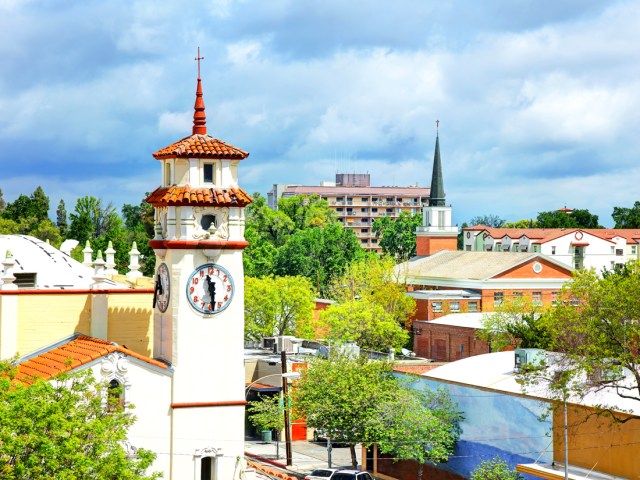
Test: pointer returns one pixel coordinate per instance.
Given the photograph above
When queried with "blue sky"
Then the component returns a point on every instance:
(539, 100)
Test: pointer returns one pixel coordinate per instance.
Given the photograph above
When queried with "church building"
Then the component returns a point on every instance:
(188, 388)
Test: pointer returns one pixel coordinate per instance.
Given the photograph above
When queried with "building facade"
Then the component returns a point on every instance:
(357, 204)
(598, 248)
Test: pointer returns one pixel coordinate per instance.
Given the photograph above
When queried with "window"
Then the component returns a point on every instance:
(167, 173)
(516, 247)
(440, 219)
(436, 307)
(365, 230)
(207, 221)
(364, 240)
(374, 240)
(467, 248)
(554, 298)
(536, 249)
(115, 396)
(612, 250)
(454, 306)
(553, 250)
(517, 295)
(498, 246)
(633, 249)
(389, 210)
(364, 210)
(619, 252)
(339, 209)
(472, 306)
(536, 298)
(208, 173)
(498, 297)
(374, 210)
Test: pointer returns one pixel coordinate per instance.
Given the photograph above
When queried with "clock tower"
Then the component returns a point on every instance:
(199, 298)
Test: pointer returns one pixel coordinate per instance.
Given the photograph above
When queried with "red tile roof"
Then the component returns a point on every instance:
(200, 146)
(186, 195)
(548, 234)
(73, 354)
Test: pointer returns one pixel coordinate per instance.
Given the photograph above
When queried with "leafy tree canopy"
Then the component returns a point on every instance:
(489, 220)
(560, 219)
(625, 217)
(518, 323)
(59, 429)
(399, 235)
(495, 469)
(524, 223)
(354, 401)
(372, 308)
(276, 306)
(307, 211)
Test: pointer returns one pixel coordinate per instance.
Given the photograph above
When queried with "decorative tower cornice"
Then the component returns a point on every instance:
(436, 196)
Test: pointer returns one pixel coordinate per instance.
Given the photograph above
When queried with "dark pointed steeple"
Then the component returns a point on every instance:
(436, 197)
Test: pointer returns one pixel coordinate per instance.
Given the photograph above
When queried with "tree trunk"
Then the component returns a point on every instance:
(420, 467)
(354, 459)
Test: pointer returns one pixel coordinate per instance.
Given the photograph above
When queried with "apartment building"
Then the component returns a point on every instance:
(357, 203)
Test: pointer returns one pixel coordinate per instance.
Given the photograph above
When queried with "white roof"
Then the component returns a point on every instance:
(53, 268)
(467, 320)
(494, 371)
(442, 294)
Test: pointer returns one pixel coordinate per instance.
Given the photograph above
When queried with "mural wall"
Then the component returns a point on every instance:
(496, 425)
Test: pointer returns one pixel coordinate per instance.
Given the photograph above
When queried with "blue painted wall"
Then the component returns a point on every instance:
(496, 425)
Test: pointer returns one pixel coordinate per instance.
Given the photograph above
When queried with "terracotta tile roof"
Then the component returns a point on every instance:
(547, 234)
(72, 354)
(200, 146)
(186, 195)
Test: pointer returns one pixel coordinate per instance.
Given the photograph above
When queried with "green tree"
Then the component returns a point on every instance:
(625, 217)
(277, 306)
(59, 429)
(518, 323)
(266, 413)
(61, 218)
(366, 324)
(595, 327)
(8, 226)
(307, 211)
(40, 204)
(523, 223)
(91, 219)
(489, 220)
(3, 204)
(561, 219)
(372, 280)
(36, 206)
(422, 426)
(354, 401)
(495, 469)
(320, 254)
(46, 230)
(398, 237)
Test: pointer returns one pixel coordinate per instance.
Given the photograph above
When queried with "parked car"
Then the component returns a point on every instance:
(351, 475)
(321, 474)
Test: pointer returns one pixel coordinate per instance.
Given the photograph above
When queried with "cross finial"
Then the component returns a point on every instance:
(437, 126)
(197, 59)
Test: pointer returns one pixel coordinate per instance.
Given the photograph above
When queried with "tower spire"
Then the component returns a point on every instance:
(436, 196)
(199, 117)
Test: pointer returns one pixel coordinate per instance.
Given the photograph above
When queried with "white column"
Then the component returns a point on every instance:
(8, 311)
(87, 252)
(110, 260)
(134, 266)
(99, 301)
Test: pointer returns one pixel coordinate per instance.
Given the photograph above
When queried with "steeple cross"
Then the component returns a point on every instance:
(197, 59)
(437, 124)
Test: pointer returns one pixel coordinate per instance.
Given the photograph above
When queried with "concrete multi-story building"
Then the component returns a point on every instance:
(357, 203)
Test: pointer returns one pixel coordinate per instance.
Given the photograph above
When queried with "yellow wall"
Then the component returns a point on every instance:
(131, 321)
(597, 442)
(46, 319)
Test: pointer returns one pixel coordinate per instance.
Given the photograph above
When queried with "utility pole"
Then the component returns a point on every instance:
(287, 425)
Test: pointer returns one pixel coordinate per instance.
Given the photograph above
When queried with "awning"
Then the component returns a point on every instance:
(262, 388)
(579, 244)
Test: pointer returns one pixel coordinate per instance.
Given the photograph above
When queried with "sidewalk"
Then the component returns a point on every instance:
(306, 456)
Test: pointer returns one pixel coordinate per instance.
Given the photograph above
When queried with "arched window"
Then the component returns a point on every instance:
(206, 469)
(115, 396)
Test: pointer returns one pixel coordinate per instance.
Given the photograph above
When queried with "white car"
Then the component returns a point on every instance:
(351, 475)
(321, 474)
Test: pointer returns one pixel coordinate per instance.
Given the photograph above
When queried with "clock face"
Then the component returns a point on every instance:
(162, 288)
(210, 289)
